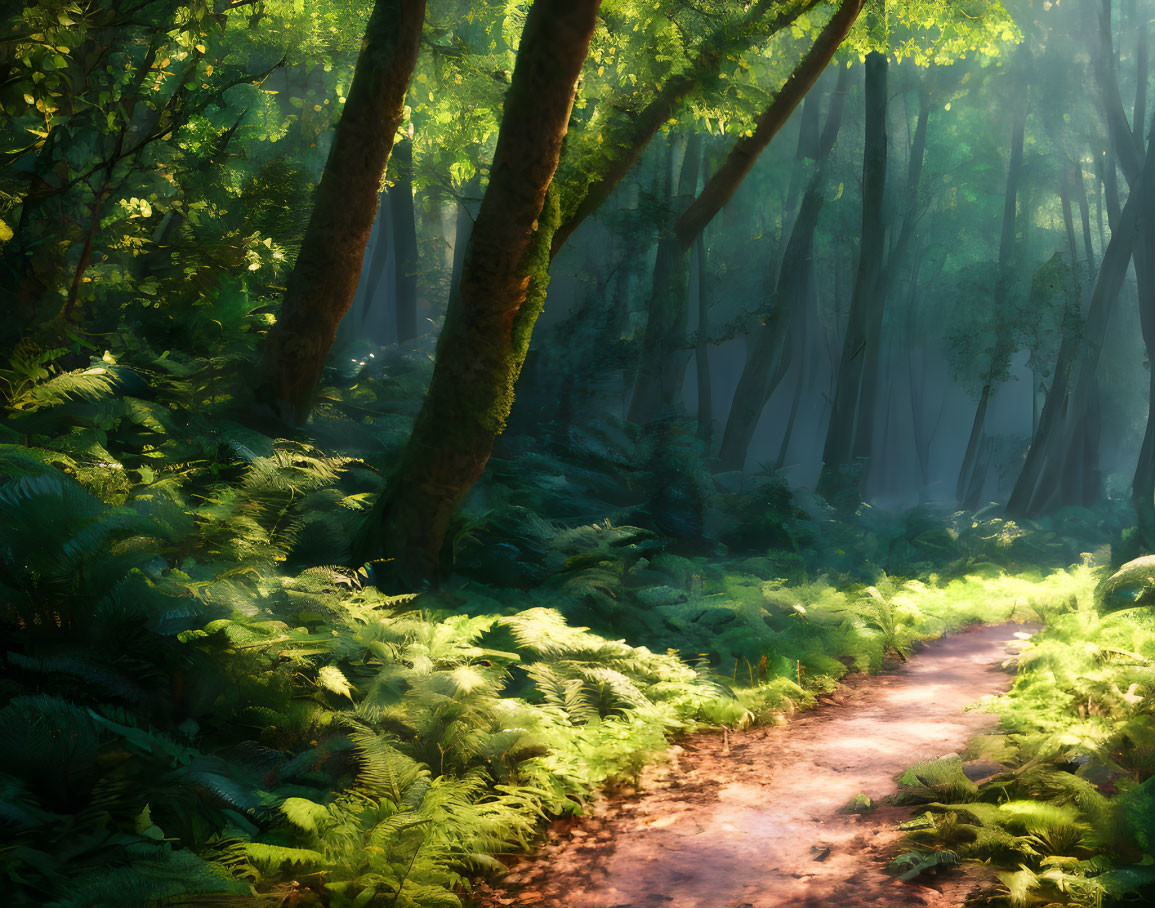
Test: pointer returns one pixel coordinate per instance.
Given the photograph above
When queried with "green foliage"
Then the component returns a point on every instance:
(915, 863)
(1069, 815)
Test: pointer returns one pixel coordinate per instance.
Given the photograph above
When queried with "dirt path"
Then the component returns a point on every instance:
(758, 823)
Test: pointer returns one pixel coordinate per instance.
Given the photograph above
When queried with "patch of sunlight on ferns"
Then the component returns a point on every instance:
(1069, 819)
(566, 698)
(936, 780)
(92, 384)
(398, 833)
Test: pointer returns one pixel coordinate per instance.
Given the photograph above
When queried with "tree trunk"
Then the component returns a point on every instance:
(722, 185)
(651, 391)
(702, 350)
(966, 490)
(1143, 486)
(841, 436)
(324, 278)
(659, 372)
(1040, 478)
(629, 134)
(483, 344)
(802, 330)
(405, 238)
(1062, 463)
(917, 383)
(359, 321)
(764, 361)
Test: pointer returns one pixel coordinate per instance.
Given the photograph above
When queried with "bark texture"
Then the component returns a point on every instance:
(324, 278)
(505, 273)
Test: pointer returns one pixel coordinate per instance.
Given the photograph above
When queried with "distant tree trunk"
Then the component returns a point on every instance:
(324, 278)
(1143, 485)
(1085, 215)
(895, 260)
(1141, 76)
(1061, 465)
(841, 436)
(702, 350)
(405, 238)
(487, 329)
(801, 331)
(719, 189)
(463, 229)
(966, 490)
(766, 359)
(359, 322)
(1040, 482)
(917, 382)
(659, 372)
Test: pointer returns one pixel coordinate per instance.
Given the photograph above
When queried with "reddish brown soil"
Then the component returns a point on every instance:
(754, 820)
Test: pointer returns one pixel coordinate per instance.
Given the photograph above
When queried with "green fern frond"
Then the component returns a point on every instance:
(91, 384)
(385, 772)
(273, 857)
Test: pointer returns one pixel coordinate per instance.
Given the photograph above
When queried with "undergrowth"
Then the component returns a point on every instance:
(198, 704)
(1068, 818)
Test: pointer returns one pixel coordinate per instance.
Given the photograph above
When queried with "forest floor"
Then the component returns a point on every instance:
(756, 819)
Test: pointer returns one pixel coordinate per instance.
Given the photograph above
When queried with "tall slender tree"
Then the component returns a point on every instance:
(324, 278)
(766, 359)
(851, 420)
(969, 485)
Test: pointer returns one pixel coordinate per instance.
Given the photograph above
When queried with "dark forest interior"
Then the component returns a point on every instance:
(421, 421)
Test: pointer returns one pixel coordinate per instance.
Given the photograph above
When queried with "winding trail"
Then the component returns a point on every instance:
(756, 822)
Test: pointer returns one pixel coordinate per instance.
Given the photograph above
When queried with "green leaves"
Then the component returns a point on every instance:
(331, 678)
(913, 864)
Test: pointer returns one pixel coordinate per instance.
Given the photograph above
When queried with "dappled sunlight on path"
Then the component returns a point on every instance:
(757, 823)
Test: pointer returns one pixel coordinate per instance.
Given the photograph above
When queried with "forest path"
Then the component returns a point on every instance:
(758, 823)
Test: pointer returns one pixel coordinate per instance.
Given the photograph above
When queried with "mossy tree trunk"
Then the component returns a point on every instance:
(483, 344)
(325, 276)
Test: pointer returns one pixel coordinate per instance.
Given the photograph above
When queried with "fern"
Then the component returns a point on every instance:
(272, 857)
(31, 386)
